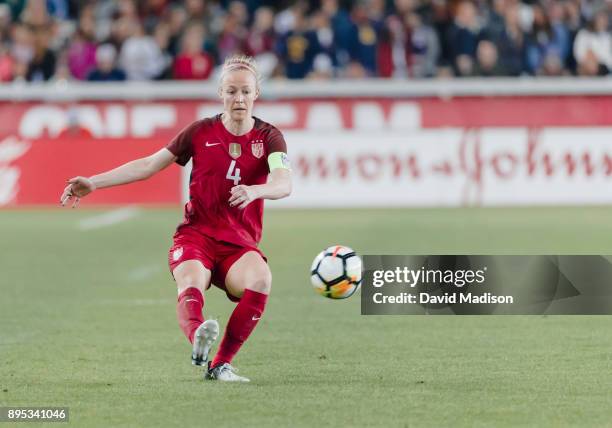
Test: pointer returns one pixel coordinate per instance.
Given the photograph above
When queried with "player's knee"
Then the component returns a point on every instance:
(183, 282)
(262, 283)
(191, 274)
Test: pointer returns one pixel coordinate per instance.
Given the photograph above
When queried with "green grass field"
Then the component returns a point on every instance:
(87, 320)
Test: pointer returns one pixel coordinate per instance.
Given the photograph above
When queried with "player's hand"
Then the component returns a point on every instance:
(242, 196)
(77, 188)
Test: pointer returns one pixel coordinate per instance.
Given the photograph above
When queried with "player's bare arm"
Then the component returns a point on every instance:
(136, 170)
(278, 186)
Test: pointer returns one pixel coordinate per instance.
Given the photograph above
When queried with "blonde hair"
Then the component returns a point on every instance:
(240, 62)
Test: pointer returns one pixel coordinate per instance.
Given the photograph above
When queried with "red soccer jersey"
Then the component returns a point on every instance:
(221, 161)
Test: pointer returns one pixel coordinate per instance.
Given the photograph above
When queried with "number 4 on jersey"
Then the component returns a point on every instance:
(235, 176)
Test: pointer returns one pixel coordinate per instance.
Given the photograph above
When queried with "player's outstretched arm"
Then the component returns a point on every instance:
(136, 170)
(278, 186)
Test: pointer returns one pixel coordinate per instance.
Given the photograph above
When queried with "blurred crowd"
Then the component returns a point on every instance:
(114, 40)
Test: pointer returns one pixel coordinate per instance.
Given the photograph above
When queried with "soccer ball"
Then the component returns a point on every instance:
(336, 272)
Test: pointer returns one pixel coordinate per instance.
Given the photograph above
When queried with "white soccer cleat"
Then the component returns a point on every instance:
(203, 340)
(224, 373)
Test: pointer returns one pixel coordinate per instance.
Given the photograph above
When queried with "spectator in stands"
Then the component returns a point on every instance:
(441, 20)
(407, 48)
(556, 12)
(284, 21)
(546, 45)
(140, 57)
(7, 64)
(573, 17)
(261, 36)
(423, 45)
(161, 35)
(22, 50)
(385, 38)
(193, 63)
(326, 55)
(494, 18)
(573, 21)
(391, 49)
(177, 21)
(510, 42)
(260, 41)
(487, 60)
(342, 26)
(120, 30)
(42, 66)
(82, 50)
(364, 39)
(298, 48)
(593, 47)
(462, 38)
(5, 23)
(105, 70)
(232, 36)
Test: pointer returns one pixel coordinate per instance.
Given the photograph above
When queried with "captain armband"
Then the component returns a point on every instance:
(278, 160)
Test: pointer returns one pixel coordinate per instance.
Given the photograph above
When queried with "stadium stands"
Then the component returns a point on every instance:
(114, 40)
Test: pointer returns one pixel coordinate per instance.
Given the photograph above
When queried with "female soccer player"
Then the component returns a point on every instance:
(238, 160)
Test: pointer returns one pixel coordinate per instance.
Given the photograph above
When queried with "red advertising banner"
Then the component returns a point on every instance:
(35, 171)
(164, 118)
(420, 152)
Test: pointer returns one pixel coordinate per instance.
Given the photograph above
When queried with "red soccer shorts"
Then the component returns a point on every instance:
(216, 256)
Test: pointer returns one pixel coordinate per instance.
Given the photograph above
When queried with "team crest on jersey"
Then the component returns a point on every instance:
(258, 149)
(235, 150)
(176, 254)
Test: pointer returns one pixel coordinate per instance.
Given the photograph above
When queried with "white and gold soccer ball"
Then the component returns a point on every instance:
(336, 272)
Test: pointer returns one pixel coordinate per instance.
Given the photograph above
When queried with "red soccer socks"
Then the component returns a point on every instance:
(240, 325)
(189, 311)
